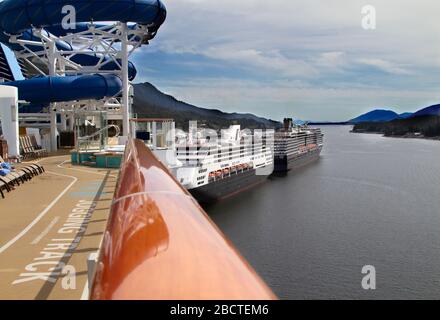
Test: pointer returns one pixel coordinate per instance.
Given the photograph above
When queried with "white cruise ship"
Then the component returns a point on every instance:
(296, 146)
(213, 170)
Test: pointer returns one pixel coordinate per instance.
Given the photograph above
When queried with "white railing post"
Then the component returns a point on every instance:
(53, 115)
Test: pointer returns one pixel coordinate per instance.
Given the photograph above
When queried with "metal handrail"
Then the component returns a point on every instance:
(88, 139)
(160, 244)
(118, 132)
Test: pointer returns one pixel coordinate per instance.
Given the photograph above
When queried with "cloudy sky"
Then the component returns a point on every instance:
(309, 59)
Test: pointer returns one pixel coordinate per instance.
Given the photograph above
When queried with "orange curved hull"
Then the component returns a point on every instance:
(160, 244)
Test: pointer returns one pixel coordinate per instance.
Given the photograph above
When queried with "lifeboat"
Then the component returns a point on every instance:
(218, 173)
(225, 171)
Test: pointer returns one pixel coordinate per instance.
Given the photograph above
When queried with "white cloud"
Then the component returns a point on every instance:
(385, 66)
(269, 60)
(317, 42)
(333, 59)
(405, 28)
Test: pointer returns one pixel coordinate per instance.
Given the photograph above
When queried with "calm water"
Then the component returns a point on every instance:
(368, 201)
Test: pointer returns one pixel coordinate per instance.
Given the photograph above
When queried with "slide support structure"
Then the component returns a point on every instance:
(125, 83)
(51, 48)
(85, 67)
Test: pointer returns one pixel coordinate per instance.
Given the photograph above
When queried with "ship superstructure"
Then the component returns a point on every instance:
(213, 169)
(296, 145)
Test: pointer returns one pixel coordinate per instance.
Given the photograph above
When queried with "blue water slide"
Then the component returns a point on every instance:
(58, 89)
(18, 17)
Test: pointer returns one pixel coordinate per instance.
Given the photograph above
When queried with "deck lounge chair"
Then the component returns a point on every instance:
(2, 187)
(10, 181)
(36, 147)
(20, 175)
(31, 169)
(39, 153)
(26, 150)
(13, 179)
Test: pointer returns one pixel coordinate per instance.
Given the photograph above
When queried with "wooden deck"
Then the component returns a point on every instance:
(48, 228)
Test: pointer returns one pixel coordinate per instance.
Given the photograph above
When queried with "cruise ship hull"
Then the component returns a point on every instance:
(284, 164)
(227, 187)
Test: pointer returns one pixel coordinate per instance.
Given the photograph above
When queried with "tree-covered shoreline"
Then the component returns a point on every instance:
(422, 126)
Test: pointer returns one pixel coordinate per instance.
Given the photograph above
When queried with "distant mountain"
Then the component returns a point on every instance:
(423, 123)
(149, 102)
(299, 122)
(429, 111)
(329, 123)
(405, 115)
(376, 116)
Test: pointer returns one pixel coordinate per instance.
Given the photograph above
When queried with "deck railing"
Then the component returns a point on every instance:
(160, 244)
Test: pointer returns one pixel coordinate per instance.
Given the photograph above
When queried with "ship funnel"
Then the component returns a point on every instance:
(288, 123)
